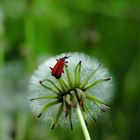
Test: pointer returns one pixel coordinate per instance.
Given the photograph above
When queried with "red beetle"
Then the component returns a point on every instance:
(58, 68)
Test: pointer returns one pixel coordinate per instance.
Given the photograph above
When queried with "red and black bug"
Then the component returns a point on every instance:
(58, 68)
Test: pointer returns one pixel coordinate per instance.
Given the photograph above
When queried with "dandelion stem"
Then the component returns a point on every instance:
(83, 124)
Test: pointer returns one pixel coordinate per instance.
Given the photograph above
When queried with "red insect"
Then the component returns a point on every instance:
(58, 68)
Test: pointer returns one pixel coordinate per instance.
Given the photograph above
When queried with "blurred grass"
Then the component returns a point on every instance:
(32, 30)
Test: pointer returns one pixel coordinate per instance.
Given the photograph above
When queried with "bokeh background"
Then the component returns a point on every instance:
(33, 30)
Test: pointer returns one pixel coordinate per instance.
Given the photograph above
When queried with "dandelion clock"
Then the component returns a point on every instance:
(71, 88)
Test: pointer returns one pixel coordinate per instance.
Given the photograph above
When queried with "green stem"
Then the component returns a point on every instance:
(82, 122)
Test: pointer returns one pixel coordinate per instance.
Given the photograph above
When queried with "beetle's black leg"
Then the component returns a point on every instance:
(66, 65)
(50, 68)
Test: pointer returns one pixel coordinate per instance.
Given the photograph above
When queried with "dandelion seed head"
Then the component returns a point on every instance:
(103, 90)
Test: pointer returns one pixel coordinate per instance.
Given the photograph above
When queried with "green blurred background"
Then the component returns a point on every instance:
(33, 30)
